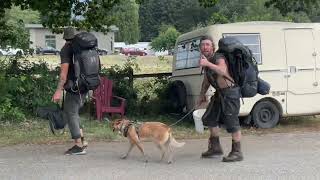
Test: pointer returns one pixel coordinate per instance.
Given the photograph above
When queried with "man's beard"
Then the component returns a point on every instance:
(207, 54)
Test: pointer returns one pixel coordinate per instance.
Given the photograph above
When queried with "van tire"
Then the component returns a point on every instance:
(265, 114)
(177, 96)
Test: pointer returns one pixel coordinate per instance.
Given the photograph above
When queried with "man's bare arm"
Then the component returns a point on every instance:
(220, 68)
(63, 75)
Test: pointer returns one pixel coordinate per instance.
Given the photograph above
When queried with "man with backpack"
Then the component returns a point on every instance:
(73, 101)
(224, 105)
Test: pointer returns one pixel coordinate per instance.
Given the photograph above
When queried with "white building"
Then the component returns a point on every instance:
(43, 37)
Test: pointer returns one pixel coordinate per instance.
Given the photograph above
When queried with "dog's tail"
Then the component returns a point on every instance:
(174, 143)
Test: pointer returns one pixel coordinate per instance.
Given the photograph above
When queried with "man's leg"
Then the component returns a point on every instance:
(71, 111)
(236, 136)
(236, 153)
(214, 146)
(211, 119)
(83, 141)
(231, 107)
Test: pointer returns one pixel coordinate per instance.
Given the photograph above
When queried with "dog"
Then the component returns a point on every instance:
(160, 134)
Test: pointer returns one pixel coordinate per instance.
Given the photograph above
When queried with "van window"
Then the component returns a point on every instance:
(188, 54)
(252, 41)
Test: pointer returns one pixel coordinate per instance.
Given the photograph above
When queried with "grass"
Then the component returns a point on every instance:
(146, 64)
(36, 131)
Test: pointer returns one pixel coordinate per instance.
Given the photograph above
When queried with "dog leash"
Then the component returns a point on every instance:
(183, 117)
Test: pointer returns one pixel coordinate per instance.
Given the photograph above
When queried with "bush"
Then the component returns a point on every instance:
(144, 96)
(152, 96)
(25, 86)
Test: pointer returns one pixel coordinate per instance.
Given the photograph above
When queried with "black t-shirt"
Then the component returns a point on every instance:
(66, 56)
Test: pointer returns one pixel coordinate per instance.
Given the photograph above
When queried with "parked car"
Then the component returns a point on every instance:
(10, 51)
(133, 52)
(102, 52)
(47, 50)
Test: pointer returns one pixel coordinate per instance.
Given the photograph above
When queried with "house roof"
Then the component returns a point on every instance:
(113, 28)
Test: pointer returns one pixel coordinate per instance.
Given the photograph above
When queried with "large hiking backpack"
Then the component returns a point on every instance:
(86, 62)
(242, 67)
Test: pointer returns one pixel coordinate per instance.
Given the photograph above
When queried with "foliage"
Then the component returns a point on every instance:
(25, 86)
(12, 30)
(152, 96)
(87, 14)
(127, 20)
(122, 77)
(217, 18)
(208, 3)
(287, 6)
(183, 15)
(144, 96)
(251, 10)
(166, 39)
(15, 15)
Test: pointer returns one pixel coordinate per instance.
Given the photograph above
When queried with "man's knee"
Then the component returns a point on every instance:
(233, 129)
(232, 124)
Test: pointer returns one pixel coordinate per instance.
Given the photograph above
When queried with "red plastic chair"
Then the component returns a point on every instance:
(103, 99)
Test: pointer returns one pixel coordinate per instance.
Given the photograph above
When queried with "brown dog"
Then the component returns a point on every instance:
(157, 131)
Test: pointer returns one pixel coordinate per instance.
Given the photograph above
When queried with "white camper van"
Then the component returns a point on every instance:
(288, 58)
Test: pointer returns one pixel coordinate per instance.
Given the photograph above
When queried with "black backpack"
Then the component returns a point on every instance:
(242, 67)
(86, 62)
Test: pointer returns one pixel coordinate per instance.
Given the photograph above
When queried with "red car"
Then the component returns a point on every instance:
(133, 52)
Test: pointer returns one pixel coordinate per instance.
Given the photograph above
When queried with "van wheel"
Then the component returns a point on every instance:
(265, 114)
(178, 96)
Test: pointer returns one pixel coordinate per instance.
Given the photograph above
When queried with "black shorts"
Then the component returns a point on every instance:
(224, 109)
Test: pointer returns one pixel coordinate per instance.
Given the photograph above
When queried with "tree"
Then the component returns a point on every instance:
(251, 10)
(82, 14)
(12, 31)
(217, 18)
(85, 14)
(183, 15)
(16, 14)
(286, 6)
(166, 39)
(127, 20)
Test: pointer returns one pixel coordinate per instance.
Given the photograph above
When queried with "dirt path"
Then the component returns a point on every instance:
(271, 156)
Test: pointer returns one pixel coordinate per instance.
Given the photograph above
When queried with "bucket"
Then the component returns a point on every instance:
(197, 115)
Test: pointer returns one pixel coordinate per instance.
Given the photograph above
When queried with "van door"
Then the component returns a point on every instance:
(302, 90)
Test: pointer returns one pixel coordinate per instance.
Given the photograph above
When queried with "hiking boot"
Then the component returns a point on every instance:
(214, 148)
(76, 150)
(235, 154)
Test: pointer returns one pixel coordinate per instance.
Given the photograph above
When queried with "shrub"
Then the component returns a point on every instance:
(25, 86)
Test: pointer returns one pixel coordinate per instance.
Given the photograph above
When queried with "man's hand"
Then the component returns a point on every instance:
(57, 96)
(203, 62)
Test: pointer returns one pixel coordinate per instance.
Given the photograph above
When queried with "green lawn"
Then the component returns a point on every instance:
(36, 131)
(146, 64)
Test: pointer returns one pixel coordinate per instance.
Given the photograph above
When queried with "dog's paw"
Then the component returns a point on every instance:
(169, 162)
(124, 156)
